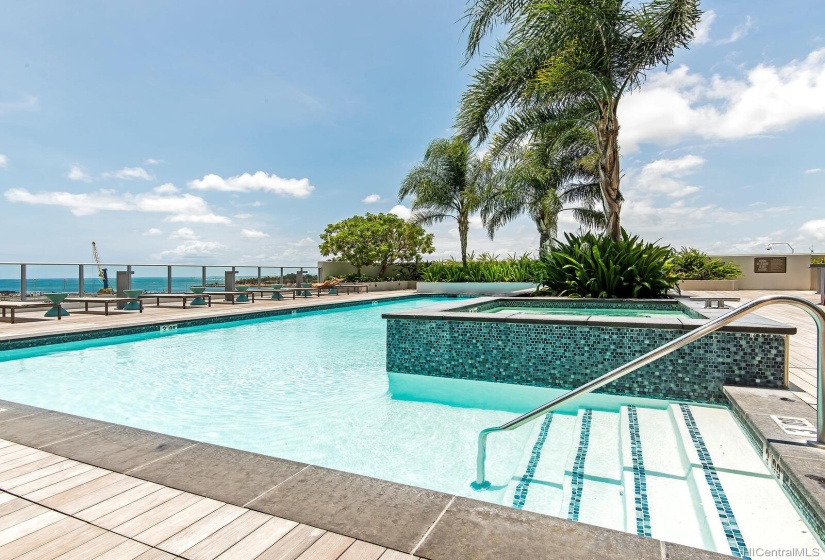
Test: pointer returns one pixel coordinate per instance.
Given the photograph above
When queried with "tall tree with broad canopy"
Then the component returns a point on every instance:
(447, 184)
(375, 239)
(571, 61)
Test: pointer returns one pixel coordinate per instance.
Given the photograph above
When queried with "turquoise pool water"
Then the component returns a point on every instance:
(311, 387)
(314, 388)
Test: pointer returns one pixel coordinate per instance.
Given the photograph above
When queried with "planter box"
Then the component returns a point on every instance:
(473, 288)
(389, 286)
(709, 285)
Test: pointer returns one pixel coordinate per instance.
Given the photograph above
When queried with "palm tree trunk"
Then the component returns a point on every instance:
(463, 230)
(609, 171)
(545, 233)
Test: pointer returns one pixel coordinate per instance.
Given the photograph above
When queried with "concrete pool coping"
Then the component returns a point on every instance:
(449, 311)
(420, 522)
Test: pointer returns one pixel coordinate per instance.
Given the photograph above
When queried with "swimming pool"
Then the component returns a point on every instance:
(314, 388)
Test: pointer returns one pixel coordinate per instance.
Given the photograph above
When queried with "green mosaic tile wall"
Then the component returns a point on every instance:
(566, 356)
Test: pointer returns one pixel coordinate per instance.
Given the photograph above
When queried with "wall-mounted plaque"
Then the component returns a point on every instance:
(770, 264)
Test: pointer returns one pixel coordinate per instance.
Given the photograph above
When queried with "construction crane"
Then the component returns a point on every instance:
(100, 270)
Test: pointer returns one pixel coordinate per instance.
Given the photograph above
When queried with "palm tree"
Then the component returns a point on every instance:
(570, 62)
(446, 185)
(538, 178)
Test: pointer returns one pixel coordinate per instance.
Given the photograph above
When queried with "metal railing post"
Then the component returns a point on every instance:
(282, 275)
(169, 279)
(259, 277)
(22, 282)
(80, 286)
(816, 313)
(203, 276)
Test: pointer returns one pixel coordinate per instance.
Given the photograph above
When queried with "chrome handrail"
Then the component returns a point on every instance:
(816, 313)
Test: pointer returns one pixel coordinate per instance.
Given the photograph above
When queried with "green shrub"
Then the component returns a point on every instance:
(817, 260)
(693, 264)
(485, 268)
(595, 266)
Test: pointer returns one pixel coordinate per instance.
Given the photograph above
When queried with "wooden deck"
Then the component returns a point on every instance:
(803, 344)
(53, 507)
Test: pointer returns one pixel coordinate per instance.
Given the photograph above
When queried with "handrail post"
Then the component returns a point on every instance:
(820, 377)
(80, 286)
(22, 282)
(817, 314)
(169, 279)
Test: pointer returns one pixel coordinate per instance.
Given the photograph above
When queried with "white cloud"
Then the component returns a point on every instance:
(702, 33)
(152, 232)
(371, 199)
(28, 103)
(253, 234)
(4, 161)
(209, 218)
(184, 233)
(166, 188)
(812, 171)
(679, 104)
(192, 248)
(152, 161)
(242, 216)
(666, 176)
(77, 173)
(260, 181)
(815, 229)
(181, 208)
(401, 211)
(738, 32)
(130, 173)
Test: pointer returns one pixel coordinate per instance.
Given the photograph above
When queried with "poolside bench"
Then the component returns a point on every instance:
(16, 305)
(356, 287)
(710, 300)
(232, 295)
(301, 291)
(106, 301)
(183, 297)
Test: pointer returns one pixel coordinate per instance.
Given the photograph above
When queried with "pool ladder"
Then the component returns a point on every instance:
(816, 313)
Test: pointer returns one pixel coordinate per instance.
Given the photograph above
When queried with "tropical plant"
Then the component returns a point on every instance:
(486, 268)
(693, 264)
(445, 185)
(596, 266)
(817, 260)
(538, 178)
(570, 62)
(380, 239)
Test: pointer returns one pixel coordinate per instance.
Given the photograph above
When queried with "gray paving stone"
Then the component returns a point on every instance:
(11, 410)
(482, 531)
(781, 402)
(221, 473)
(381, 512)
(119, 448)
(681, 552)
(48, 427)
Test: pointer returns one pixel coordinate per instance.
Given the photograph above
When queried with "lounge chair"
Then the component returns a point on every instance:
(329, 285)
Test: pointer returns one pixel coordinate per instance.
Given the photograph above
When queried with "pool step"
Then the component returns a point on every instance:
(662, 497)
(683, 474)
(736, 486)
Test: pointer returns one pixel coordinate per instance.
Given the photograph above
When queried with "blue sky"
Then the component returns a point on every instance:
(198, 132)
